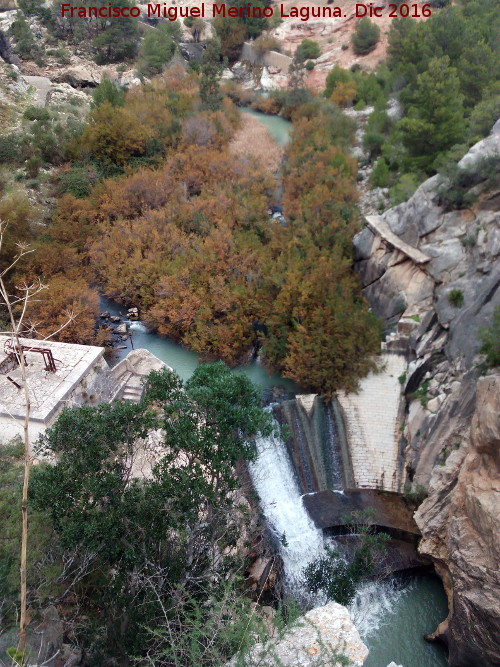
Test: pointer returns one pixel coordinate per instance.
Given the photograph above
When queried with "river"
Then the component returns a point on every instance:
(391, 616)
(278, 127)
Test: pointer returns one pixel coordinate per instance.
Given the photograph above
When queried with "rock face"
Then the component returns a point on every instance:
(317, 638)
(434, 300)
(460, 523)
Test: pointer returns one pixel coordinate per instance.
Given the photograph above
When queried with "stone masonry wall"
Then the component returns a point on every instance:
(372, 419)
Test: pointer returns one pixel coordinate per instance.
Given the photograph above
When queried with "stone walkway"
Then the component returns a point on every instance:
(379, 226)
(42, 86)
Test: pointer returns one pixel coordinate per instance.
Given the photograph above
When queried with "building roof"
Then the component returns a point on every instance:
(48, 391)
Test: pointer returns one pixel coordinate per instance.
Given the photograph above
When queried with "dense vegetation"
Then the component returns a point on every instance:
(445, 73)
(106, 41)
(158, 213)
(132, 538)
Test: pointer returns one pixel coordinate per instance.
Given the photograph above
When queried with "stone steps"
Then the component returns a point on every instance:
(131, 393)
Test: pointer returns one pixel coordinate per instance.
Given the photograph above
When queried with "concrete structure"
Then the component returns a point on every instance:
(129, 373)
(372, 420)
(268, 59)
(328, 509)
(82, 377)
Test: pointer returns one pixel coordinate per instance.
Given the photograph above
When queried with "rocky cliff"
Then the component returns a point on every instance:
(430, 269)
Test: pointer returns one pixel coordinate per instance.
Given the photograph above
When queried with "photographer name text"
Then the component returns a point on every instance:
(173, 13)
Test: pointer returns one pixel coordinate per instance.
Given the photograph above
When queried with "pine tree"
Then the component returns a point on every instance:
(435, 121)
(211, 70)
(119, 40)
(365, 37)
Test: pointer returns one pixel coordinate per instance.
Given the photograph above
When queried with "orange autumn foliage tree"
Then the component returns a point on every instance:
(50, 310)
(319, 331)
(113, 135)
(185, 242)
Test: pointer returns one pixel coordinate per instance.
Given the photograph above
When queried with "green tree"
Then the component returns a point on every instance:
(158, 47)
(108, 91)
(254, 25)
(308, 49)
(430, 129)
(477, 68)
(365, 37)
(26, 45)
(231, 33)
(379, 177)
(158, 536)
(483, 117)
(118, 40)
(211, 70)
(490, 340)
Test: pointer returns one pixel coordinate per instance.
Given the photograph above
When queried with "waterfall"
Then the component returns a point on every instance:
(136, 326)
(375, 603)
(333, 450)
(274, 479)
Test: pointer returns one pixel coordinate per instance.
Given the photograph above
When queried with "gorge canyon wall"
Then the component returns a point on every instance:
(430, 270)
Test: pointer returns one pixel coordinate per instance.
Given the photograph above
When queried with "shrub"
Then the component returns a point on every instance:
(310, 65)
(26, 46)
(373, 142)
(456, 298)
(483, 118)
(265, 43)
(490, 340)
(308, 49)
(421, 394)
(379, 177)
(158, 48)
(36, 113)
(335, 576)
(365, 37)
(107, 91)
(336, 76)
(62, 56)
(33, 165)
(78, 181)
(9, 148)
(415, 495)
(404, 188)
(454, 191)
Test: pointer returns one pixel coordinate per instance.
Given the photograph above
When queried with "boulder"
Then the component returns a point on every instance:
(44, 639)
(319, 637)
(80, 75)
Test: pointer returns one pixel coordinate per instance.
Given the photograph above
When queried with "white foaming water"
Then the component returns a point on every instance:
(374, 604)
(137, 326)
(274, 480)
